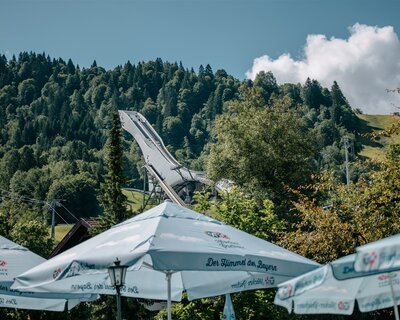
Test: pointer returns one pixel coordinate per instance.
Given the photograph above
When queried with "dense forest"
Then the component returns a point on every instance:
(55, 117)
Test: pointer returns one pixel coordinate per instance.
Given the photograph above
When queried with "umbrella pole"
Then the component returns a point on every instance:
(396, 311)
(119, 314)
(169, 273)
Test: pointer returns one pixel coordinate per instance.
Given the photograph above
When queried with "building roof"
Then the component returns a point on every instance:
(78, 233)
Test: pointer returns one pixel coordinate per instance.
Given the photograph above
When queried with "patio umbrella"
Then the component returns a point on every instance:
(191, 251)
(15, 259)
(333, 289)
(381, 255)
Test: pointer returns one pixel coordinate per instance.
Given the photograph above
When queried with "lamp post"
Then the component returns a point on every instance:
(117, 274)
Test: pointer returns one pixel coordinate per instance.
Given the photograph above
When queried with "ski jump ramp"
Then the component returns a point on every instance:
(160, 164)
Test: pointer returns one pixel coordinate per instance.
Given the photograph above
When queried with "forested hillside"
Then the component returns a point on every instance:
(54, 116)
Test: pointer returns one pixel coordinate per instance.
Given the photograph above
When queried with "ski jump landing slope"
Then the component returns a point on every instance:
(155, 153)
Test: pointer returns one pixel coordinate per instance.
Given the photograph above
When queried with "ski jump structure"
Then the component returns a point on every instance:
(161, 166)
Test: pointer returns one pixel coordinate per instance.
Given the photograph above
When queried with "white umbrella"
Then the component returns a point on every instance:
(334, 288)
(192, 252)
(15, 259)
(380, 256)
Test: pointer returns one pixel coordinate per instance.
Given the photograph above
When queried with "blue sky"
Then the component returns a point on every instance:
(227, 34)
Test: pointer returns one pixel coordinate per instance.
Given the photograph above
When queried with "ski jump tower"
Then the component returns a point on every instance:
(165, 170)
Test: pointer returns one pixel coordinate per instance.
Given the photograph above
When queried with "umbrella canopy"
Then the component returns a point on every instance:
(381, 255)
(196, 253)
(333, 289)
(14, 260)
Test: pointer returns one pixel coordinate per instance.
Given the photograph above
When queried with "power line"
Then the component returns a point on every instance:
(23, 198)
(62, 218)
(12, 195)
(52, 204)
(69, 212)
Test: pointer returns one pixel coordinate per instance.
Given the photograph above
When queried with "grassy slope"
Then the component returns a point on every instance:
(61, 231)
(376, 148)
(135, 201)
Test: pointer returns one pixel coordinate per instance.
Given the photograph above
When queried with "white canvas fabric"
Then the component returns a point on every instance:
(335, 287)
(16, 259)
(204, 257)
(383, 255)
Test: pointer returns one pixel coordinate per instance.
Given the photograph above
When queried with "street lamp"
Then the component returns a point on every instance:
(117, 274)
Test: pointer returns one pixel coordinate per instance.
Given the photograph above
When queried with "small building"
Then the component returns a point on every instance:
(78, 233)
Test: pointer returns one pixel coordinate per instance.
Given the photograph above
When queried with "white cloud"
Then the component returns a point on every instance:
(364, 65)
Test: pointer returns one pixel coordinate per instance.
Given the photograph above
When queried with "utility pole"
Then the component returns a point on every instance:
(347, 145)
(53, 204)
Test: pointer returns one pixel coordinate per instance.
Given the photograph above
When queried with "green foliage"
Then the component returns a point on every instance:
(266, 82)
(252, 305)
(32, 234)
(113, 200)
(172, 128)
(256, 146)
(80, 194)
(21, 224)
(44, 100)
(197, 309)
(241, 210)
(336, 218)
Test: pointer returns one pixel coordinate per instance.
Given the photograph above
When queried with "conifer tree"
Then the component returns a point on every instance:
(113, 200)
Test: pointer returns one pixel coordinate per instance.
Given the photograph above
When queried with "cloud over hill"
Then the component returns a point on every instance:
(364, 65)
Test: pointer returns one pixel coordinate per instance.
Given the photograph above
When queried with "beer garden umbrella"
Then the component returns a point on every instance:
(15, 259)
(381, 256)
(334, 288)
(168, 249)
